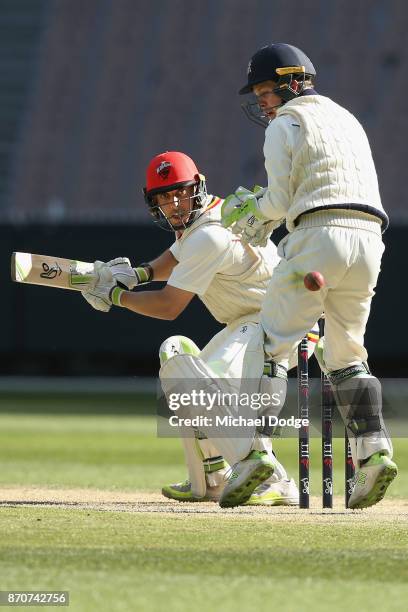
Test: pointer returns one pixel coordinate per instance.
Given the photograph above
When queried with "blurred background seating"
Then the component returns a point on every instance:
(90, 91)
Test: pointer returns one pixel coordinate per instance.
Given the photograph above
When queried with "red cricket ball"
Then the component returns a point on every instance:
(314, 281)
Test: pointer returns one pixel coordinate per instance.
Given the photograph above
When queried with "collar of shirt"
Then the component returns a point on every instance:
(309, 92)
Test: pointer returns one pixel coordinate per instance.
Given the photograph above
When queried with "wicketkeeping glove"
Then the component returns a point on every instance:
(241, 209)
(259, 233)
(243, 204)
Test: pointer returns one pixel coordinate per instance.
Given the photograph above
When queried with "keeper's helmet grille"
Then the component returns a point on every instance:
(283, 64)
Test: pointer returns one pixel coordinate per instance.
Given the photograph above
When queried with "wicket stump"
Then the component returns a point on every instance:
(327, 407)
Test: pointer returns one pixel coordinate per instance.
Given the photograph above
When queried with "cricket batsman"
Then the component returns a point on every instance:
(322, 182)
(230, 277)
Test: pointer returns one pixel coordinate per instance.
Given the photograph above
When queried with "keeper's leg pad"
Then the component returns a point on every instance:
(274, 383)
(359, 399)
(177, 345)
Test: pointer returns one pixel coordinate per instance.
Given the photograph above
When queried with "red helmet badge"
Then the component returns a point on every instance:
(163, 169)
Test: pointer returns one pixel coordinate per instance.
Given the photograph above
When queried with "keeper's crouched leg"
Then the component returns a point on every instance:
(206, 467)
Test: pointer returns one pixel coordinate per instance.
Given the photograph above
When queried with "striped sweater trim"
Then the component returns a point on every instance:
(214, 203)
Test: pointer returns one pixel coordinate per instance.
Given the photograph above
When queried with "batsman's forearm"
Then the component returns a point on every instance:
(163, 266)
(148, 303)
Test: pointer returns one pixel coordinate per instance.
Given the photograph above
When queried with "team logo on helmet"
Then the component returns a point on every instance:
(249, 67)
(164, 169)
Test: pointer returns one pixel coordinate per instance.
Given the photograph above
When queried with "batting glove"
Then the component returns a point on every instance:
(122, 272)
(127, 276)
(105, 292)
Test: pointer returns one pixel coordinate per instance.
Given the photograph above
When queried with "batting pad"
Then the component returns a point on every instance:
(177, 345)
(182, 373)
(195, 466)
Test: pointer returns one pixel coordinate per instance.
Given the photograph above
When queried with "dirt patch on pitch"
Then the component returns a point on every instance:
(395, 510)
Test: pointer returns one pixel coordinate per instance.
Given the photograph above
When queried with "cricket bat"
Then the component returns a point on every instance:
(51, 271)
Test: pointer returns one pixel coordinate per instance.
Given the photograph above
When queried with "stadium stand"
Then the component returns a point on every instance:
(116, 82)
(21, 26)
(91, 90)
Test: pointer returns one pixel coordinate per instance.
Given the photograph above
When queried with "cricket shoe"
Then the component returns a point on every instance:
(181, 492)
(281, 493)
(372, 480)
(246, 476)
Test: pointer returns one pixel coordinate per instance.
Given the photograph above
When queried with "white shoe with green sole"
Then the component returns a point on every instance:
(281, 493)
(246, 476)
(372, 481)
(181, 491)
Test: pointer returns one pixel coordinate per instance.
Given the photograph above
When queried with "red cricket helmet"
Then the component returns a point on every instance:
(166, 172)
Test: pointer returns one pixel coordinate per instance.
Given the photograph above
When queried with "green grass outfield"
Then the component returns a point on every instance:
(153, 555)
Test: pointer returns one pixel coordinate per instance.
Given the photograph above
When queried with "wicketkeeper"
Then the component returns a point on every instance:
(322, 182)
(231, 278)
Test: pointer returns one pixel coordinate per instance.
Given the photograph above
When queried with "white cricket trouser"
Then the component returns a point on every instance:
(237, 350)
(242, 339)
(349, 260)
